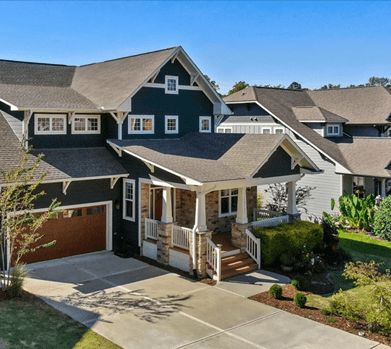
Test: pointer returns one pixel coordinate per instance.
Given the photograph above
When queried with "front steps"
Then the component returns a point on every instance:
(232, 265)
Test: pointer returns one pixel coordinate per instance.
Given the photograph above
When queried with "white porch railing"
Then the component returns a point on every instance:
(253, 247)
(213, 257)
(261, 214)
(180, 237)
(151, 229)
(270, 222)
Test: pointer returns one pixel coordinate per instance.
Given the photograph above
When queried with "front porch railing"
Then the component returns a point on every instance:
(261, 214)
(253, 247)
(213, 257)
(270, 222)
(180, 237)
(151, 229)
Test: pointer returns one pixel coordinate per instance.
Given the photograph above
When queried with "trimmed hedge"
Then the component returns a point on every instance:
(288, 238)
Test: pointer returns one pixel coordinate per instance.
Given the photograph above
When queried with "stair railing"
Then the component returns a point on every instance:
(253, 247)
(213, 257)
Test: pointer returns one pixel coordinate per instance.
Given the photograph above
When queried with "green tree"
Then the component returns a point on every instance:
(330, 87)
(379, 81)
(213, 83)
(19, 225)
(294, 86)
(237, 87)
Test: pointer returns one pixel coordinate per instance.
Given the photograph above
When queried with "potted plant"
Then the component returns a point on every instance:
(287, 261)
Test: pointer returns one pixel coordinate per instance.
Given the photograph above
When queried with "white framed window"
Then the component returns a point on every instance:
(278, 131)
(141, 124)
(205, 124)
(129, 200)
(333, 130)
(86, 124)
(228, 202)
(171, 84)
(266, 130)
(224, 130)
(48, 124)
(171, 124)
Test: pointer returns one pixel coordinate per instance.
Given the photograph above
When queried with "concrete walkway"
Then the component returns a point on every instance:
(140, 306)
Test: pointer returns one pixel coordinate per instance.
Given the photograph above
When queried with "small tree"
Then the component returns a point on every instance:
(279, 197)
(237, 87)
(19, 226)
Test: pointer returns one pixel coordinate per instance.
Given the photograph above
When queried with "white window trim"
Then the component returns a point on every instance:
(224, 129)
(50, 116)
(167, 117)
(333, 133)
(130, 117)
(278, 128)
(170, 77)
(85, 116)
(124, 216)
(230, 213)
(267, 128)
(210, 124)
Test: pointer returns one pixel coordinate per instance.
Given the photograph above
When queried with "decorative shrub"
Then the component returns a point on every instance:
(287, 259)
(288, 238)
(330, 233)
(325, 312)
(276, 291)
(300, 300)
(358, 212)
(298, 282)
(332, 320)
(382, 223)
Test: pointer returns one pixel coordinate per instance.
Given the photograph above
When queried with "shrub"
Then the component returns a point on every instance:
(300, 300)
(288, 238)
(276, 291)
(298, 282)
(330, 233)
(358, 212)
(19, 275)
(287, 259)
(325, 312)
(332, 320)
(382, 223)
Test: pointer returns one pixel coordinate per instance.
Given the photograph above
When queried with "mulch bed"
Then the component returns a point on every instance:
(287, 304)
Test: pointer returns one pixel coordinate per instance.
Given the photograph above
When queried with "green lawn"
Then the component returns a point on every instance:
(31, 323)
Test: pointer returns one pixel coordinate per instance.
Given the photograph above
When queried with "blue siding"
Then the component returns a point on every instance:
(361, 131)
(250, 109)
(175, 69)
(188, 105)
(18, 114)
(69, 140)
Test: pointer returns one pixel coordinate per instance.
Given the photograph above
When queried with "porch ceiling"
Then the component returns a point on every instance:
(206, 158)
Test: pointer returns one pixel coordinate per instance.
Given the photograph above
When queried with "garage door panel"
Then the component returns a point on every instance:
(73, 234)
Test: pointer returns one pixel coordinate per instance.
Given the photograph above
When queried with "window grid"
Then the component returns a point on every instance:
(171, 123)
(86, 124)
(333, 130)
(171, 84)
(228, 202)
(50, 124)
(205, 124)
(141, 124)
(128, 200)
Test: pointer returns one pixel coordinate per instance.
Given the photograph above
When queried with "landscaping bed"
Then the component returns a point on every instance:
(313, 313)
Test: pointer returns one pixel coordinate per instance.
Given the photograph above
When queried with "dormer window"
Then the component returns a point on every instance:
(333, 130)
(86, 124)
(171, 84)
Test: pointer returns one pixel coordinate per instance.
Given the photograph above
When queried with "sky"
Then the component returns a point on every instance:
(260, 42)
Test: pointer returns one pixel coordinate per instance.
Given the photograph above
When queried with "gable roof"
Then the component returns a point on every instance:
(316, 114)
(207, 157)
(368, 156)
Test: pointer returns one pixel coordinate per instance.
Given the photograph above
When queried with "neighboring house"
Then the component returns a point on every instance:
(342, 130)
(132, 155)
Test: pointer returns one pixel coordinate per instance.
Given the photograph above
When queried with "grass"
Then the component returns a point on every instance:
(28, 322)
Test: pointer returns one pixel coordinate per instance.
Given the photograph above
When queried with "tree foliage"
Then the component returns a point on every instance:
(330, 87)
(294, 86)
(213, 83)
(379, 81)
(237, 87)
(19, 225)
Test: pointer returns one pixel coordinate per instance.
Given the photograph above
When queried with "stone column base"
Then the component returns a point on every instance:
(294, 217)
(163, 242)
(239, 237)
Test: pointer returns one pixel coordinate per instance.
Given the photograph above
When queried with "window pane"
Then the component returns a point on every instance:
(57, 124)
(80, 124)
(147, 124)
(225, 192)
(135, 124)
(329, 129)
(205, 125)
(234, 191)
(43, 124)
(129, 191)
(95, 210)
(228, 130)
(92, 124)
(220, 130)
(171, 124)
(171, 84)
(234, 203)
(73, 213)
(224, 205)
(278, 131)
(129, 208)
(336, 129)
(266, 131)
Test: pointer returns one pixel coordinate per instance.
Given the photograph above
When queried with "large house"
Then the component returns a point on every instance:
(344, 131)
(132, 155)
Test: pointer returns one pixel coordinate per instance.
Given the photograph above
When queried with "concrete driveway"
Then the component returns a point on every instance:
(140, 306)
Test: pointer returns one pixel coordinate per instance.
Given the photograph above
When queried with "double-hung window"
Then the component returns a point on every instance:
(141, 124)
(129, 200)
(228, 202)
(205, 124)
(171, 124)
(266, 130)
(278, 131)
(47, 124)
(171, 84)
(333, 130)
(86, 124)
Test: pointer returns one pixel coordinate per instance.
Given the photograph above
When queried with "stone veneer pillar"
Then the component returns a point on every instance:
(163, 242)
(239, 236)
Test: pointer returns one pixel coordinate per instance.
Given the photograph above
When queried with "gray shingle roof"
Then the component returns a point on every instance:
(367, 156)
(316, 114)
(206, 157)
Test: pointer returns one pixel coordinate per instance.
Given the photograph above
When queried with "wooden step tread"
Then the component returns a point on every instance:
(237, 264)
(234, 258)
(233, 272)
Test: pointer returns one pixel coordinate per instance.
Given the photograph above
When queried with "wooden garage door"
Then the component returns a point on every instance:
(76, 231)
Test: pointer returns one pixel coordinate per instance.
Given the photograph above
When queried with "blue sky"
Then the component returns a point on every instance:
(260, 42)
